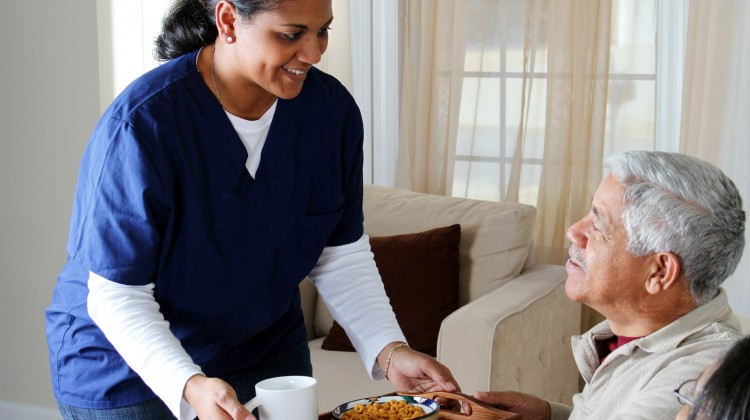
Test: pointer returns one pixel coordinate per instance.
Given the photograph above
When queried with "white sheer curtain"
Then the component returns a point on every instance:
(578, 38)
(432, 76)
(716, 105)
(521, 101)
(337, 59)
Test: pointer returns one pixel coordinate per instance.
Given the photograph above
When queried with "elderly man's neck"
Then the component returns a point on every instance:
(649, 316)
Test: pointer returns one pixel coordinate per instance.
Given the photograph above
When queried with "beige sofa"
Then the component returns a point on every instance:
(513, 328)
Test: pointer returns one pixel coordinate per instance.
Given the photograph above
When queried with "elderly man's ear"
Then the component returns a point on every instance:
(664, 272)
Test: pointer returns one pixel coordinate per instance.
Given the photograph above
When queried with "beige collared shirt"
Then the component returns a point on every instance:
(636, 380)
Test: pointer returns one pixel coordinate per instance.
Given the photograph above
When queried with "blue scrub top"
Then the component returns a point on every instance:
(163, 197)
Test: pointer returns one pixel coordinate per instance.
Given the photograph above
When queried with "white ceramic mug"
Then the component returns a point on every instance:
(286, 398)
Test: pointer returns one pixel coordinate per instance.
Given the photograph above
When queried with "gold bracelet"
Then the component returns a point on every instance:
(390, 356)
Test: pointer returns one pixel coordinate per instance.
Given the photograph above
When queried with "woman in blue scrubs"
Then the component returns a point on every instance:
(209, 189)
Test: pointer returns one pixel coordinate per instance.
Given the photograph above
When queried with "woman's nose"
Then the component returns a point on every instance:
(312, 50)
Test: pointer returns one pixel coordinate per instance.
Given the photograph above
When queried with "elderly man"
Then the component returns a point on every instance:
(664, 231)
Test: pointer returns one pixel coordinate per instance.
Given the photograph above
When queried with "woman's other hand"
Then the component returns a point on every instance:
(214, 399)
(416, 372)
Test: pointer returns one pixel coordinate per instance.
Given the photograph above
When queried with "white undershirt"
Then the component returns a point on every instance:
(130, 318)
(253, 135)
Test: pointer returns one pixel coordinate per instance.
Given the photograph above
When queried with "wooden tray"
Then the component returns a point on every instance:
(479, 410)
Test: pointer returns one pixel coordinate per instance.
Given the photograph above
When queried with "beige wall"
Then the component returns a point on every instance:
(48, 108)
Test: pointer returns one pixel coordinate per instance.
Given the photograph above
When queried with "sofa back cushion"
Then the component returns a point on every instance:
(495, 236)
(420, 277)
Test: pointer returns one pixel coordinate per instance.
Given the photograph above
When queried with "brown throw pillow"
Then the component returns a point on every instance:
(420, 275)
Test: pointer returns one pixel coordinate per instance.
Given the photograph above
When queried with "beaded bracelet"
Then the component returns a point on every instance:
(390, 356)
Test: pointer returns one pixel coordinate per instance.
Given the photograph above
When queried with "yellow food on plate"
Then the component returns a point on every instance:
(390, 410)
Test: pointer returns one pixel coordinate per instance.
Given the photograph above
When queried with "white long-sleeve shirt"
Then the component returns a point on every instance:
(130, 318)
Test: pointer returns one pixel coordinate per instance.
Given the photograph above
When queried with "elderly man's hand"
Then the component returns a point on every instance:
(529, 406)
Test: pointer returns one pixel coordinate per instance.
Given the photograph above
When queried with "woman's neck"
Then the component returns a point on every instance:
(236, 97)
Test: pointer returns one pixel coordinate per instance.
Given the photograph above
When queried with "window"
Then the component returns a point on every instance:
(127, 30)
(490, 109)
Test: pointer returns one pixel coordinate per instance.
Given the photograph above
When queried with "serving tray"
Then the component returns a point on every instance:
(479, 410)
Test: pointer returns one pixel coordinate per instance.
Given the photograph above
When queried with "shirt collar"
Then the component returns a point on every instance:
(705, 316)
(670, 336)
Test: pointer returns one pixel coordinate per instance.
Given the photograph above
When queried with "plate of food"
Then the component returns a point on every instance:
(388, 407)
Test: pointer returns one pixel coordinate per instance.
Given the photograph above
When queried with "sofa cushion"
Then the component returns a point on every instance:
(495, 236)
(420, 276)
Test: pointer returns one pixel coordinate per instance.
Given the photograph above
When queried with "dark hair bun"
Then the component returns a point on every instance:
(186, 27)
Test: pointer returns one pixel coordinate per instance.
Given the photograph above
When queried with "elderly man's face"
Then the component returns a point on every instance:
(601, 273)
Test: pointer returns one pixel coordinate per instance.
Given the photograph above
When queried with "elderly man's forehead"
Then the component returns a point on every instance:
(610, 192)
(609, 200)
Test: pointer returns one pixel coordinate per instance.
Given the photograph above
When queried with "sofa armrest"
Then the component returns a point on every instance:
(744, 322)
(517, 337)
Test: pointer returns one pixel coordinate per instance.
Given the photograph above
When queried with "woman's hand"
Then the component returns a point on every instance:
(412, 371)
(214, 399)
(529, 406)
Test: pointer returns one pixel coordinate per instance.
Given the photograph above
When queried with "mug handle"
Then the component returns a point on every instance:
(254, 403)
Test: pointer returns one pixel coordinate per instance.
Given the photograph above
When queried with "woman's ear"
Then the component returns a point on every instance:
(226, 16)
(665, 272)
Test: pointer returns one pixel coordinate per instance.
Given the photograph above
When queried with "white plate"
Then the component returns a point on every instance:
(430, 407)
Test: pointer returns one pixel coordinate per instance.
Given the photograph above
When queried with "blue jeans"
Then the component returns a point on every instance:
(293, 362)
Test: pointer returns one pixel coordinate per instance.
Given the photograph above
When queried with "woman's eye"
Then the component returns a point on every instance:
(292, 36)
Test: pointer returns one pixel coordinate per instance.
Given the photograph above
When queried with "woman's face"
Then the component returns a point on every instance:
(274, 50)
(686, 409)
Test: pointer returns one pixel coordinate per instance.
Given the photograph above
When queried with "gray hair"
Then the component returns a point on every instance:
(680, 204)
